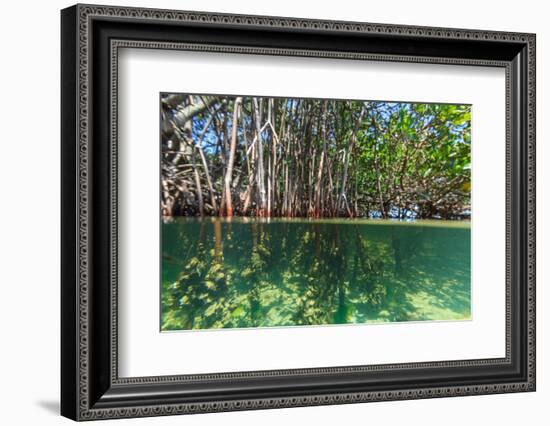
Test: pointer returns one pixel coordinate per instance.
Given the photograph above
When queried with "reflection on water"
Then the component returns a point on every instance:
(257, 273)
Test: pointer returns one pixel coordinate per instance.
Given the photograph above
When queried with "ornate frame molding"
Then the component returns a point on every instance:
(78, 24)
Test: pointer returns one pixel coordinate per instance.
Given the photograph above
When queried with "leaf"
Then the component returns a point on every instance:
(210, 285)
(238, 312)
(210, 310)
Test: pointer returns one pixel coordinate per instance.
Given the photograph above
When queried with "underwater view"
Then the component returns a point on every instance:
(250, 272)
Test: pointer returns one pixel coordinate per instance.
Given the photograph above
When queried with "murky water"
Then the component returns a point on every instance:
(257, 273)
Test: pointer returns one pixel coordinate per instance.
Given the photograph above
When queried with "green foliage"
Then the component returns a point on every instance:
(320, 158)
(419, 155)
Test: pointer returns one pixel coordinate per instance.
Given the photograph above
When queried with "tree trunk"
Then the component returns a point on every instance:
(317, 211)
(229, 170)
(260, 180)
(187, 113)
(342, 198)
(198, 184)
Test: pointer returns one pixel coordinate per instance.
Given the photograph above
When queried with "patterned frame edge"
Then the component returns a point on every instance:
(84, 13)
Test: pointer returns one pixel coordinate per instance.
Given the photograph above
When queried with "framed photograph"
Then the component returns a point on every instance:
(263, 212)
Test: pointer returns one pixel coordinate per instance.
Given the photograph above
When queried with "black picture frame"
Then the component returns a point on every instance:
(90, 386)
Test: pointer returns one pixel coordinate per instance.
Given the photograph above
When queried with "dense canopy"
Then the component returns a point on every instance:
(284, 157)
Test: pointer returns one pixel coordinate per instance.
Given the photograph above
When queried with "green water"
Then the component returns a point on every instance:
(257, 273)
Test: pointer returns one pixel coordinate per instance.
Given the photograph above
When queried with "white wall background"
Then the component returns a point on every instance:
(29, 212)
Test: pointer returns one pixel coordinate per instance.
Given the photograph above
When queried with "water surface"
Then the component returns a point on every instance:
(245, 272)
